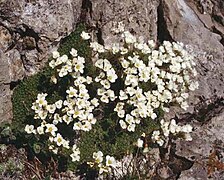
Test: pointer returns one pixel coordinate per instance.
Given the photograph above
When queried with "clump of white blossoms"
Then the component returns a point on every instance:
(98, 162)
(171, 128)
(136, 78)
(152, 78)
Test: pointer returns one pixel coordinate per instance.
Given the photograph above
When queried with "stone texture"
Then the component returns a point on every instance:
(36, 25)
(5, 93)
(29, 30)
(139, 17)
(207, 141)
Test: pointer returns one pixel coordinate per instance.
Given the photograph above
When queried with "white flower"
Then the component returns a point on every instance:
(110, 161)
(193, 86)
(95, 102)
(58, 104)
(121, 113)
(99, 63)
(42, 114)
(54, 79)
(77, 126)
(75, 156)
(146, 149)
(73, 52)
(51, 108)
(59, 139)
(123, 124)
(184, 105)
(89, 80)
(111, 75)
(55, 54)
(123, 95)
(52, 64)
(56, 119)
(30, 129)
(67, 119)
(156, 135)
(131, 91)
(173, 126)
(64, 58)
(125, 64)
(105, 83)
(66, 144)
(129, 38)
(123, 50)
(129, 119)
(72, 92)
(53, 149)
(119, 106)
(40, 130)
(105, 99)
(160, 142)
(115, 48)
(76, 153)
(85, 35)
(140, 143)
(131, 127)
(153, 116)
(79, 67)
(51, 128)
(187, 128)
(41, 99)
(87, 126)
(98, 156)
(97, 47)
(111, 94)
(151, 44)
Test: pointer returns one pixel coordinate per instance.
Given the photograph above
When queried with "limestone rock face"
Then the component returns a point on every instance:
(5, 93)
(34, 27)
(139, 17)
(206, 149)
(29, 30)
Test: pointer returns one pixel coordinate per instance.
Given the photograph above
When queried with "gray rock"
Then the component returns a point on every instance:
(29, 30)
(6, 104)
(5, 94)
(164, 172)
(207, 139)
(139, 17)
(36, 25)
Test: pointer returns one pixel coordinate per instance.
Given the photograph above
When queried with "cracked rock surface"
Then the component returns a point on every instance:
(206, 149)
(29, 30)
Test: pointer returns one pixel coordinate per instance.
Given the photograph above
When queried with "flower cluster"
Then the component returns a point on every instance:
(135, 78)
(171, 128)
(77, 107)
(98, 161)
(153, 77)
